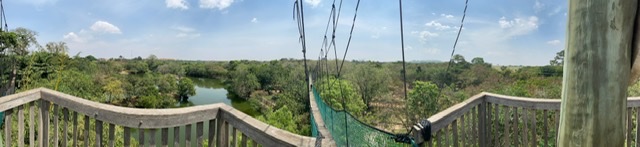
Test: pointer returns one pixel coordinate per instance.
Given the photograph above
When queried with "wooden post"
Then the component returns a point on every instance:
(596, 72)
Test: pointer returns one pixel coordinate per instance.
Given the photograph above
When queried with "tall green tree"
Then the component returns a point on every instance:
(186, 88)
(337, 90)
(422, 101)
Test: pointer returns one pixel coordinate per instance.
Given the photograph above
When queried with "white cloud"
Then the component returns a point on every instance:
(538, 6)
(424, 35)
(313, 3)
(178, 4)
(71, 36)
(554, 42)
(437, 25)
(186, 32)
(212, 4)
(519, 26)
(105, 27)
(254, 20)
(446, 15)
(184, 29)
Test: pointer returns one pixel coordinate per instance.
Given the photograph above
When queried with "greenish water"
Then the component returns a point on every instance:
(208, 91)
(211, 91)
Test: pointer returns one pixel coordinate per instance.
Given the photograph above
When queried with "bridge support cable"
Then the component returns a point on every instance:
(455, 43)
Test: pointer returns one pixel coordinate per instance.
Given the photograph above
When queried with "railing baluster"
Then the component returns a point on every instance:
(629, 127)
(56, 130)
(475, 122)
(488, 124)
(98, 133)
(141, 139)
(496, 124)
(212, 130)
(463, 129)
(75, 129)
(65, 129)
(199, 133)
(112, 130)
(221, 133)
(7, 127)
(127, 136)
(440, 135)
(187, 135)
(21, 125)
(243, 143)
(254, 144)
(165, 137)
(152, 137)
(545, 136)
(507, 121)
(226, 133)
(233, 136)
(86, 130)
(44, 111)
(446, 136)
(176, 136)
(32, 131)
(535, 128)
(525, 126)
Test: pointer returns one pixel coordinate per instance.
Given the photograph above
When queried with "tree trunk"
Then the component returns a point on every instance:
(596, 72)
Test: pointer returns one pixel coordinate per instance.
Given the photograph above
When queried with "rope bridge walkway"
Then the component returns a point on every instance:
(357, 134)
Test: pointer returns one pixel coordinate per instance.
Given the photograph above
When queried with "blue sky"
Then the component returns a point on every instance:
(503, 32)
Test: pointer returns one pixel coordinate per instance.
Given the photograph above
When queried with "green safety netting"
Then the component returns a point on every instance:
(355, 133)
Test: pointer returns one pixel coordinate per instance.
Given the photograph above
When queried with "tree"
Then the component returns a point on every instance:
(422, 101)
(371, 82)
(113, 89)
(281, 118)
(57, 47)
(339, 90)
(186, 88)
(558, 60)
(25, 38)
(477, 60)
(243, 81)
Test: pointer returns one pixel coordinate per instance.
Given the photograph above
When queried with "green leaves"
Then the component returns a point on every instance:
(186, 88)
(422, 101)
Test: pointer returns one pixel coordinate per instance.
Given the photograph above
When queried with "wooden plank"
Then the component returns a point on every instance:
(629, 127)
(18, 99)
(463, 130)
(7, 127)
(187, 135)
(507, 119)
(65, 126)
(210, 134)
(75, 129)
(233, 136)
(87, 125)
(152, 137)
(254, 144)
(534, 122)
(32, 132)
(440, 137)
(243, 142)
(21, 125)
(131, 117)
(98, 131)
(226, 132)
(141, 135)
(127, 136)
(483, 123)
(446, 134)
(521, 102)
(515, 125)
(176, 136)
(112, 130)
(487, 128)
(199, 133)
(56, 117)
(220, 133)
(476, 121)
(261, 132)
(44, 111)
(443, 118)
(165, 137)
(496, 124)
(525, 135)
(545, 135)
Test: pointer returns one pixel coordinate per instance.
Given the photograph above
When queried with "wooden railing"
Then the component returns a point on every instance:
(497, 120)
(57, 116)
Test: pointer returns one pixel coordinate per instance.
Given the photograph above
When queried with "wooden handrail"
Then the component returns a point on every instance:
(254, 129)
